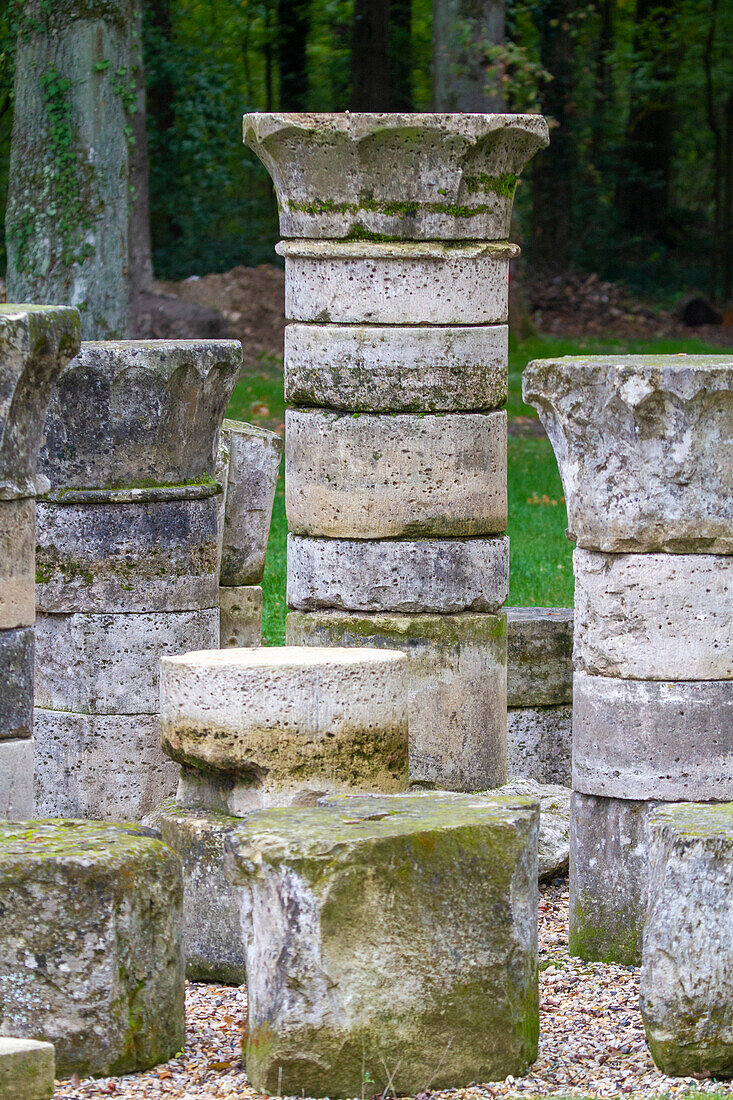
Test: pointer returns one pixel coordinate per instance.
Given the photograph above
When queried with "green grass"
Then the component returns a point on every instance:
(541, 556)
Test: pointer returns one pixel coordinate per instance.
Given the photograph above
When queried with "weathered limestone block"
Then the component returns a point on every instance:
(654, 616)
(398, 175)
(396, 932)
(254, 463)
(282, 720)
(687, 971)
(90, 944)
(26, 1069)
(158, 555)
(539, 742)
(36, 342)
(402, 368)
(139, 413)
(609, 877)
(406, 575)
(383, 476)
(653, 739)
(241, 617)
(105, 766)
(109, 664)
(16, 678)
(457, 686)
(645, 448)
(16, 779)
(399, 283)
(554, 834)
(17, 563)
(539, 656)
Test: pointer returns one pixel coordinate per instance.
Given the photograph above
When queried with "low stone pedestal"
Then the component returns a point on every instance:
(97, 910)
(26, 1070)
(395, 936)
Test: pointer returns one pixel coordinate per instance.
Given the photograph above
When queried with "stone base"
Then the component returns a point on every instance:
(104, 766)
(540, 656)
(609, 878)
(26, 1070)
(457, 686)
(16, 678)
(241, 616)
(16, 780)
(539, 743)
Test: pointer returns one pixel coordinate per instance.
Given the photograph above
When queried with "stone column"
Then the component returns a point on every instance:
(396, 268)
(36, 342)
(645, 450)
(126, 564)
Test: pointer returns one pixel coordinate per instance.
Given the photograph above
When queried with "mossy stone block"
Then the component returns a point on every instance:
(26, 1070)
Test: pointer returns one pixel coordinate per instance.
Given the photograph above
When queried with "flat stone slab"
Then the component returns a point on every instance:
(402, 368)
(109, 664)
(289, 718)
(367, 159)
(138, 412)
(394, 929)
(654, 616)
(240, 609)
(653, 739)
(16, 779)
(539, 743)
(26, 1069)
(405, 575)
(456, 686)
(400, 283)
(539, 656)
(645, 448)
(151, 556)
(105, 766)
(686, 994)
(609, 877)
(406, 475)
(16, 677)
(554, 835)
(253, 464)
(17, 563)
(96, 910)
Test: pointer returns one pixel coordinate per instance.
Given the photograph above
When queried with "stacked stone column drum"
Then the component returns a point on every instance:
(127, 564)
(396, 280)
(36, 342)
(645, 450)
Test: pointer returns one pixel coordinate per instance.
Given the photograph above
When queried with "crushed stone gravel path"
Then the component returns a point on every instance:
(591, 1038)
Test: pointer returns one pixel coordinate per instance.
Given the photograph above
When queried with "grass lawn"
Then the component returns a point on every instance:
(541, 556)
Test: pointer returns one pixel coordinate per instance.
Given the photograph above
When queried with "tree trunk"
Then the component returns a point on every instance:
(370, 89)
(727, 220)
(140, 261)
(462, 32)
(68, 204)
(293, 21)
(400, 55)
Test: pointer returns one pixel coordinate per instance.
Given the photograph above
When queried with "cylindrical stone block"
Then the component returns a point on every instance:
(539, 656)
(404, 368)
(17, 563)
(381, 476)
(16, 678)
(94, 663)
(145, 556)
(539, 743)
(654, 616)
(404, 283)
(252, 471)
(240, 609)
(457, 686)
(16, 780)
(641, 739)
(405, 575)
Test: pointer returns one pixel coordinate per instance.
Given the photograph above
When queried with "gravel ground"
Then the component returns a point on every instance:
(591, 1037)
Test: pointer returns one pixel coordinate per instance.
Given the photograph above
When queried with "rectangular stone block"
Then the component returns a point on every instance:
(17, 563)
(394, 936)
(105, 766)
(539, 743)
(539, 656)
(456, 682)
(26, 1069)
(400, 368)
(241, 617)
(252, 472)
(109, 664)
(16, 679)
(395, 476)
(653, 739)
(16, 780)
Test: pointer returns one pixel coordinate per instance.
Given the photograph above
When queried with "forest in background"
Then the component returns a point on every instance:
(637, 184)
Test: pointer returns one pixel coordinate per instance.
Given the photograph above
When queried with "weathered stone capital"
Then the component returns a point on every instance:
(406, 176)
(645, 448)
(36, 343)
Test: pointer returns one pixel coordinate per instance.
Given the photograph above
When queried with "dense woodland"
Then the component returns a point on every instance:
(637, 184)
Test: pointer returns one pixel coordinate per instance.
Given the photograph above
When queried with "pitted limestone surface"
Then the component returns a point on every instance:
(16, 779)
(354, 476)
(253, 465)
(26, 1069)
(17, 557)
(539, 657)
(539, 743)
(16, 678)
(240, 608)
(91, 954)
